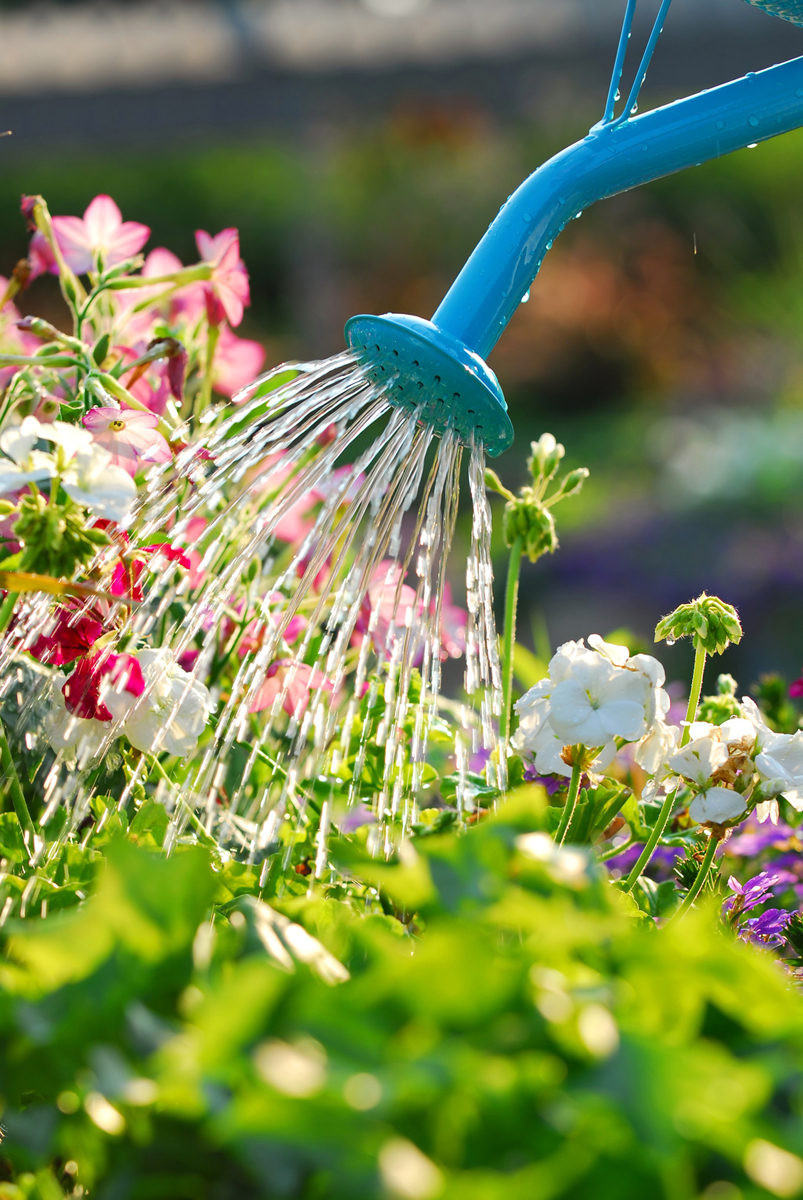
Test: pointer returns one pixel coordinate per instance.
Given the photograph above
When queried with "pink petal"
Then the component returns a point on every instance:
(74, 243)
(161, 262)
(237, 362)
(128, 241)
(102, 219)
(212, 249)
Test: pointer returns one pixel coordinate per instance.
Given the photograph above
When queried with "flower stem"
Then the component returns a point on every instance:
(205, 395)
(669, 802)
(702, 877)
(509, 635)
(7, 610)
(571, 802)
(17, 796)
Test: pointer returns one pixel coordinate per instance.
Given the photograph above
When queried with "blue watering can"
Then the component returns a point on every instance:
(437, 368)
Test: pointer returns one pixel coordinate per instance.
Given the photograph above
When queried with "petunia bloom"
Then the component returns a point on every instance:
(101, 235)
(70, 636)
(130, 437)
(229, 277)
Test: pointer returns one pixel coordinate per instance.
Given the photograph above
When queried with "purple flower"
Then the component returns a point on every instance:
(661, 863)
(550, 783)
(756, 891)
(757, 838)
(768, 929)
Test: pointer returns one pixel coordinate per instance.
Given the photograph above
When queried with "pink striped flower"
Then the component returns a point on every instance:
(100, 235)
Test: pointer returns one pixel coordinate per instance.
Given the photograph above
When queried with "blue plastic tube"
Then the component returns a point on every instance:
(612, 158)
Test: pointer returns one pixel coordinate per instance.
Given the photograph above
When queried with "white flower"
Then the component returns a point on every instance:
(75, 736)
(780, 765)
(602, 695)
(172, 711)
(699, 758)
(652, 751)
(716, 806)
(91, 479)
(27, 465)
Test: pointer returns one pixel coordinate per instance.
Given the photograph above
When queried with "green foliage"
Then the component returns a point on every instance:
(539, 1040)
(55, 537)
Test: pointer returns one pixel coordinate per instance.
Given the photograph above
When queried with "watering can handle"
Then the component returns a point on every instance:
(613, 157)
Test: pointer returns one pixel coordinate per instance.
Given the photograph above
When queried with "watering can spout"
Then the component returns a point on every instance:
(615, 156)
(437, 367)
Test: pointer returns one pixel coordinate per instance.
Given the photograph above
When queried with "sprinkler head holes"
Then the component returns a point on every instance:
(432, 374)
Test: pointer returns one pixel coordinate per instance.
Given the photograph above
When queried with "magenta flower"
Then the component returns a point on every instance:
(83, 689)
(796, 689)
(238, 361)
(130, 436)
(229, 277)
(101, 233)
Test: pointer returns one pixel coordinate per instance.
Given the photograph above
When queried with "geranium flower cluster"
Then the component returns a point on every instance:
(597, 697)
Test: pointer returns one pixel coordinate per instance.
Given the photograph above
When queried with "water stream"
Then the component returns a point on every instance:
(338, 638)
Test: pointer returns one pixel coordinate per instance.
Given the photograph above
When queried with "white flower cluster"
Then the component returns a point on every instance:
(600, 697)
(85, 469)
(737, 766)
(593, 696)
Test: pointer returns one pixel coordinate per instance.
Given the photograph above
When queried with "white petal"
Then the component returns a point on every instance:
(717, 805)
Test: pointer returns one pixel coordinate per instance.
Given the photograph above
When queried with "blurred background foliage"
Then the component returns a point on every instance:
(541, 1041)
(661, 342)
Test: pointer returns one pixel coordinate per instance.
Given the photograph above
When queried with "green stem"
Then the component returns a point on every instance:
(669, 802)
(205, 396)
(7, 610)
(17, 796)
(702, 877)
(614, 851)
(509, 635)
(571, 801)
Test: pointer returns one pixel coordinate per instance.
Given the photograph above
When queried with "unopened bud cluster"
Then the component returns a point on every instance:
(528, 515)
(712, 623)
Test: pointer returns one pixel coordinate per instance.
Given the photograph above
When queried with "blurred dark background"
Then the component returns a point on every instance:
(362, 146)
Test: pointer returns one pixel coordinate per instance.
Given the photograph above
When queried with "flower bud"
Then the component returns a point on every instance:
(545, 459)
(708, 620)
(494, 484)
(527, 518)
(572, 483)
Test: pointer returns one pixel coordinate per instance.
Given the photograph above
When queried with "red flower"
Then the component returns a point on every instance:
(82, 690)
(70, 638)
(126, 576)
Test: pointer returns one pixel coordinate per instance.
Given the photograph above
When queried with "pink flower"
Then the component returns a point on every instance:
(453, 626)
(229, 277)
(194, 533)
(40, 257)
(796, 689)
(380, 609)
(238, 361)
(130, 436)
(12, 339)
(71, 637)
(294, 681)
(82, 690)
(101, 233)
